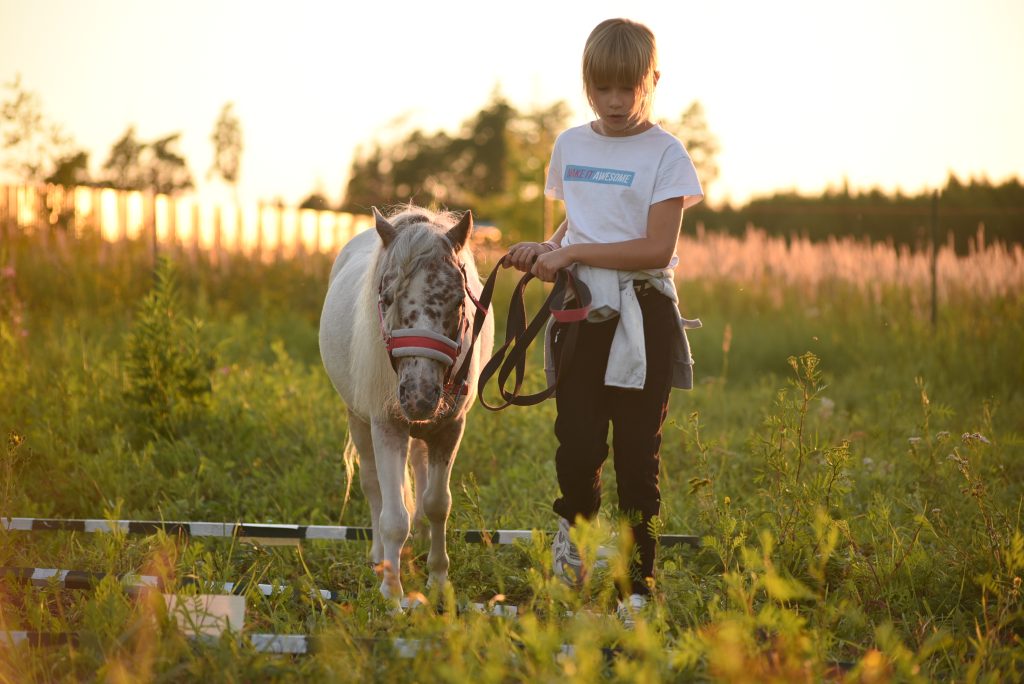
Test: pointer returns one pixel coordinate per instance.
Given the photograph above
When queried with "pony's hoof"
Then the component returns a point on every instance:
(437, 581)
(414, 601)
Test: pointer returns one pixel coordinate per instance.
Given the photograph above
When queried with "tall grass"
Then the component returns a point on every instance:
(854, 471)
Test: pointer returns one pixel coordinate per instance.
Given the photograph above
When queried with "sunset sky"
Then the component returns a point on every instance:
(889, 93)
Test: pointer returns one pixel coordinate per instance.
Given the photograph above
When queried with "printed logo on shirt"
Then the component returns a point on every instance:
(589, 174)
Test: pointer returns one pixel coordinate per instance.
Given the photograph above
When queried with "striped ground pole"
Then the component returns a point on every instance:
(284, 644)
(269, 533)
(280, 644)
(133, 583)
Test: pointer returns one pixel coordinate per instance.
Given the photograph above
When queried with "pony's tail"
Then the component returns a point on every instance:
(349, 457)
(407, 492)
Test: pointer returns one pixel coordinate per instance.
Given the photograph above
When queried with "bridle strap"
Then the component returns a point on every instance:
(510, 358)
(429, 344)
(422, 342)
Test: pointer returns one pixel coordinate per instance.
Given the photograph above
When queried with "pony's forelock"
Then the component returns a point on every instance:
(419, 239)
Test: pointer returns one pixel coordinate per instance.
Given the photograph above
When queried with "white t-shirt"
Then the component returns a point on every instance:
(609, 183)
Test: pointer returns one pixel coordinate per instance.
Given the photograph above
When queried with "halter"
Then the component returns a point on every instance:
(426, 343)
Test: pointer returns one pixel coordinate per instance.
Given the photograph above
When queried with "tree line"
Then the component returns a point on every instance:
(37, 150)
(958, 210)
(495, 163)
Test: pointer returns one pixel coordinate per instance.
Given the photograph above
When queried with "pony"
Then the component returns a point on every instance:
(397, 341)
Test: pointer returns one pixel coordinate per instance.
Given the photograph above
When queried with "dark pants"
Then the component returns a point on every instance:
(586, 407)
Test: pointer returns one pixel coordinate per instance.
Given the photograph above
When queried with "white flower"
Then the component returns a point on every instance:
(969, 437)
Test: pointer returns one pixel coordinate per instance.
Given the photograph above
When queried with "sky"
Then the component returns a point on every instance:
(801, 95)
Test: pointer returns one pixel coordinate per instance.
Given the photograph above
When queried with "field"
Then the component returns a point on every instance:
(854, 471)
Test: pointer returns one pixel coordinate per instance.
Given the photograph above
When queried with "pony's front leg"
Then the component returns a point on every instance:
(359, 429)
(391, 448)
(437, 499)
(418, 463)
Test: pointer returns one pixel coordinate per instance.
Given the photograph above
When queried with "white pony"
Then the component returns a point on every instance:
(396, 338)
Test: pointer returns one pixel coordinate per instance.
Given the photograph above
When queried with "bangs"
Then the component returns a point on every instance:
(615, 61)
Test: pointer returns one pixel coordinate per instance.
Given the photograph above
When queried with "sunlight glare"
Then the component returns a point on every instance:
(185, 232)
(110, 229)
(161, 219)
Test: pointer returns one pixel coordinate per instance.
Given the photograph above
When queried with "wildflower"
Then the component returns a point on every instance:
(969, 437)
(942, 435)
(914, 441)
(8, 272)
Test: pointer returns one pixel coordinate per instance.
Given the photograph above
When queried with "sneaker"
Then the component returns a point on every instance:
(565, 557)
(628, 610)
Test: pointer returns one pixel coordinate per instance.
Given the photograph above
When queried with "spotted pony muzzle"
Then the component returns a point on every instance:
(422, 342)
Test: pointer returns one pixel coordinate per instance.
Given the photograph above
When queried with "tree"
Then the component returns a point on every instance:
(227, 147)
(166, 170)
(494, 166)
(71, 170)
(32, 145)
(136, 165)
(124, 164)
(315, 200)
(700, 142)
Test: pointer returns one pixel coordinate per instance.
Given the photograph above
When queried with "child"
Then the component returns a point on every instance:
(625, 182)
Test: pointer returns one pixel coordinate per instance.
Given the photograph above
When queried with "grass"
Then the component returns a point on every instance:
(855, 474)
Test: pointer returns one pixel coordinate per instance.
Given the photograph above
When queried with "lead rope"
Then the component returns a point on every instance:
(510, 358)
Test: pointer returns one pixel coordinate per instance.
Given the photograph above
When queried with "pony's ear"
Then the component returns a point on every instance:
(457, 235)
(384, 229)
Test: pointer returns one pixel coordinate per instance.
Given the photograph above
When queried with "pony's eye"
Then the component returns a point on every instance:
(387, 299)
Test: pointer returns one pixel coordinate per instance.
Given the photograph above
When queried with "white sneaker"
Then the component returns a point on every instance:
(565, 557)
(628, 610)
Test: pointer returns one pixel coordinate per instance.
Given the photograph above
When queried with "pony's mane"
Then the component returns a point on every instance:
(419, 239)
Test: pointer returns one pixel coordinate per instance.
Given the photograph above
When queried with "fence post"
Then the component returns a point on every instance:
(935, 258)
(5, 211)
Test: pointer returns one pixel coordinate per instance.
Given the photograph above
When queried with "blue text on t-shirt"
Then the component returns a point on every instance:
(589, 174)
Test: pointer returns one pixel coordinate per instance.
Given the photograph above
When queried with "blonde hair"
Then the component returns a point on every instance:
(621, 52)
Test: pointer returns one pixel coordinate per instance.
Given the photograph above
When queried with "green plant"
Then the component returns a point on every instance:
(169, 363)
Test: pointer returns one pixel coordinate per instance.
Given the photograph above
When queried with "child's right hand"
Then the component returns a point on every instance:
(522, 254)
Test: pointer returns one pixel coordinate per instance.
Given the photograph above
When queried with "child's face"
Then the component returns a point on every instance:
(613, 105)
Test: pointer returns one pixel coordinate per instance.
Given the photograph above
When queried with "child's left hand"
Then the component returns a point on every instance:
(547, 265)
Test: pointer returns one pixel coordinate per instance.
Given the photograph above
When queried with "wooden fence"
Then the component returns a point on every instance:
(187, 223)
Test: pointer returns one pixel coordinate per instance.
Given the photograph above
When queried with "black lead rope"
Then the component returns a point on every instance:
(510, 359)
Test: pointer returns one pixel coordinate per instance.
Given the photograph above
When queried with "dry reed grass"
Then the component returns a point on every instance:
(777, 263)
